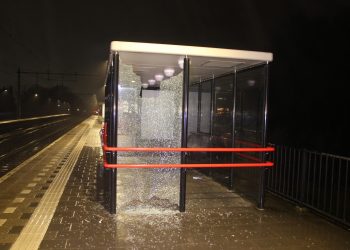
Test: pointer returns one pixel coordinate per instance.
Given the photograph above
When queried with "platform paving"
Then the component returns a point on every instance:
(23, 189)
(215, 218)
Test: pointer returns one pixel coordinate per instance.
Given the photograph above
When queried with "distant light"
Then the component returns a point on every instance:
(78, 109)
(5, 90)
(132, 81)
(36, 95)
(68, 109)
(58, 105)
(144, 85)
(151, 82)
(169, 72)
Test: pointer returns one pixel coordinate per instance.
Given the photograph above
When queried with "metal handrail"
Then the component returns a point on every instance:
(107, 149)
(131, 149)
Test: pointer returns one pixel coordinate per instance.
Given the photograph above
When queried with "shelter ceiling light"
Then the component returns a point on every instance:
(151, 82)
(159, 77)
(169, 72)
(251, 83)
(181, 62)
(144, 85)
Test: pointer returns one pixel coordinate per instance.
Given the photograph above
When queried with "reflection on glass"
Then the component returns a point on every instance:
(222, 117)
(249, 106)
(193, 109)
(222, 125)
(249, 127)
(205, 107)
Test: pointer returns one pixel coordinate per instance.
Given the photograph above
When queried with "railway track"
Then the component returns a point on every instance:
(22, 141)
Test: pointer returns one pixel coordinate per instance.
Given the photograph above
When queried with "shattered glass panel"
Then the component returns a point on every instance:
(155, 125)
(148, 118)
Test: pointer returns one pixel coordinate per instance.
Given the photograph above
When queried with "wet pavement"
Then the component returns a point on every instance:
(215, 217)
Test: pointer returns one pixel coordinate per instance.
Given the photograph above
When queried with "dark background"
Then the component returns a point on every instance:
(309, 104)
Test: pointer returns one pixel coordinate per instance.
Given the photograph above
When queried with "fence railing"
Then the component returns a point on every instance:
(312, 179)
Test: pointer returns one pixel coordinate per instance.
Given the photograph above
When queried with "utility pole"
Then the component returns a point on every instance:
(19, 111)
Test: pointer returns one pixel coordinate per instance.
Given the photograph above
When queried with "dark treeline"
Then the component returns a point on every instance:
(38, 100)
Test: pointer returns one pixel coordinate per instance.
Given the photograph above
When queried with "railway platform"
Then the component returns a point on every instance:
(53, 201)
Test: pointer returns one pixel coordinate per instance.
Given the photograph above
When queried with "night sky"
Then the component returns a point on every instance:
(309, 103)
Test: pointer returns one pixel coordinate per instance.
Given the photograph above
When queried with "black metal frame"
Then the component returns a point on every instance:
(234, 98)
(199, 110)
(112, 129)
(212, 104)
(184, 132)
(262, 184)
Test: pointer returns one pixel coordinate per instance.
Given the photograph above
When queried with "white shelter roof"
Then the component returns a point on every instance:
(148, 59)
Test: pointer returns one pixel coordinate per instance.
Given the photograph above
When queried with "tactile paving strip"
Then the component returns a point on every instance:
(32, 234)
(21, 191)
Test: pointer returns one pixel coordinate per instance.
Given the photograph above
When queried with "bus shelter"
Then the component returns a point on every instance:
(169, 108)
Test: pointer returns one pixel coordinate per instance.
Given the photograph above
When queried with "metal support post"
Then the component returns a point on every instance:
(19, 108)
(261, 199)
(185, 94)
(113, 131)
(234, 97)
(211, 127)
(304, 167)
